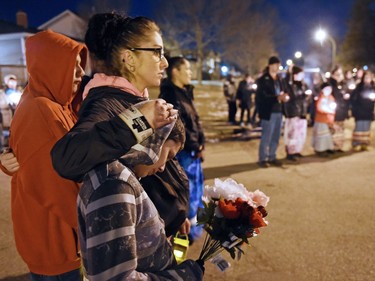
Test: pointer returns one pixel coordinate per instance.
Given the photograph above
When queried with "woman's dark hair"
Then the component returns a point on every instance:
(174, 62)
(109, 33)
(178, 133)
(296, 69)
(362, 82)
(335, 69)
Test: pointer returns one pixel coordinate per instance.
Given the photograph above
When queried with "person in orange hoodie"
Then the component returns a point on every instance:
(43, 203)
(44, 223)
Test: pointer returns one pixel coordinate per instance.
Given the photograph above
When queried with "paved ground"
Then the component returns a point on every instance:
(321, 212)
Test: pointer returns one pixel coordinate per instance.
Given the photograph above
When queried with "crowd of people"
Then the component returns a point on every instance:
(108, 177)
(286, 103)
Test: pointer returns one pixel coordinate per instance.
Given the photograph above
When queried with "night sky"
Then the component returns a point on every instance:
(300, 18)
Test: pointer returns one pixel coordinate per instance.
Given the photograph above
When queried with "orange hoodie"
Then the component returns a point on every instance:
(44, 204)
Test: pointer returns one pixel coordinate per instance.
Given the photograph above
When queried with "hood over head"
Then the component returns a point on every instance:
(50, 59)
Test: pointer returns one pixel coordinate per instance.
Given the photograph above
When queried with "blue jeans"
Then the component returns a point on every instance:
(271, 130)
(193, 169)
(74, 275)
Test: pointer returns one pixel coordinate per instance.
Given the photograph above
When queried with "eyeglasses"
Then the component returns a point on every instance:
(159, 52)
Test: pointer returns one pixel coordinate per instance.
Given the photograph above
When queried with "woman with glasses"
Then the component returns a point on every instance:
(127, 57)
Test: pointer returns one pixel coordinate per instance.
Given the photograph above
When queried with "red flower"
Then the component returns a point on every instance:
(256, 219)
(229, 209)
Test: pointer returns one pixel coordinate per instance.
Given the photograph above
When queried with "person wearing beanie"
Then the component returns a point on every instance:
(270, 95)
(295, 111)
(273, 60)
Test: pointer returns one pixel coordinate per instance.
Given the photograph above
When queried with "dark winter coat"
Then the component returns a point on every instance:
(99, 138)
(266, 96)
(169, 190)
(298, 103)
(342, 109)
(76, 153)
(362, 105)
(244, 94)
(182, 99)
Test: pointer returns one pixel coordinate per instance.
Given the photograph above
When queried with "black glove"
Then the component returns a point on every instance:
(201, 265)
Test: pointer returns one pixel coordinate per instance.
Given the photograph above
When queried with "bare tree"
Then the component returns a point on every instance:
(87, 9)
(237, 29)
(253, 41)
(359, 44)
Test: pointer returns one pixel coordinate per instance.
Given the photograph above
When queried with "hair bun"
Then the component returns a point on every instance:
(103, 31)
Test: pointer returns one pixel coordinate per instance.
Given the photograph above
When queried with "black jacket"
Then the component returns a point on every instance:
(169, 190)
(298, 102)
(95, 138)
(266, 96)
(244, 94)
(362, 105)
(101, 136)
(342, 109)
(182, 99)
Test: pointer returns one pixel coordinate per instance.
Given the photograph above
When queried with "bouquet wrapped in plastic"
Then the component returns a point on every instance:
(231, 215)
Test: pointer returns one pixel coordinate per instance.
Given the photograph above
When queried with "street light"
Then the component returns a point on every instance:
(298, 55)
(322, 35)
(299, 60)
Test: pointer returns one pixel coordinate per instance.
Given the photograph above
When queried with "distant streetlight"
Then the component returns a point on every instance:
(321, 35)
(299, 59)
(289, 62)
(224, 70)
(298, 55)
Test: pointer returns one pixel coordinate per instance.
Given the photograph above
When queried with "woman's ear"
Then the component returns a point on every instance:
(175, 72)
(127, 57)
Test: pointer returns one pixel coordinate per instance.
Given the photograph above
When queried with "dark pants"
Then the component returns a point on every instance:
(247, 110)
(74, 275)
(232, 110)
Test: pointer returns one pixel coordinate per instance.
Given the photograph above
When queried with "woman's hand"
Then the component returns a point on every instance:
(158, 113)
(9, 162)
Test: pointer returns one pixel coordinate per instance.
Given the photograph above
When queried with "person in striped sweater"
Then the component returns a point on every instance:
(122, 236)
